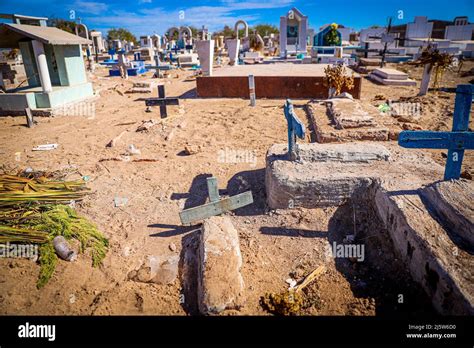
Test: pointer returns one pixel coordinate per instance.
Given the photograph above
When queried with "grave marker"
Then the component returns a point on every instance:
(456, 142)
(162, 101)
(216, 206)
(252, 90)
(295, 129)
(29, 118)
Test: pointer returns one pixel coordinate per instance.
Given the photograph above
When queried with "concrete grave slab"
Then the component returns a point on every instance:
(390, 74)
(220, 283)
(373, 126)
(391, 77)
(347, 113)
(453, 202)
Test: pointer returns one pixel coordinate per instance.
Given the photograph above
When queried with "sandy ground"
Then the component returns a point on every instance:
(275, 245)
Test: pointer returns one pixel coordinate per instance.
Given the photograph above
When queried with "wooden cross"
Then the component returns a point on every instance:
(456, 142)
(216, 206)
(295, 129)
(162, 101)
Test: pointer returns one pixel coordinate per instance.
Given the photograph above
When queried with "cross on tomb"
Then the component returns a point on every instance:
(162, 101)
(216, 206)
(456, 142)
(295, 129)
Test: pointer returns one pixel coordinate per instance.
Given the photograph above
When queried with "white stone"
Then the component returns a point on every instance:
(205, 50)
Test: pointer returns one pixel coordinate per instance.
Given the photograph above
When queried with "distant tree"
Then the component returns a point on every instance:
(265, 29)
(227, 32)
(375, 26)
(62, 24)
(332, 38)
(121, 34)
(195, 32)
(175, 34)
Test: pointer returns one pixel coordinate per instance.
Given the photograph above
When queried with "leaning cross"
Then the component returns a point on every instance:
(456, 142)
(295, 129)
(216, 206)
(162, 101)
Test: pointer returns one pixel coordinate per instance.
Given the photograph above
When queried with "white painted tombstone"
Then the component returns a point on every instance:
(420, 28)
(205, 50)
(186, 34)
(233, 48)
(145, 41)
(156, 41)
(96, 37)
(460, 31)
(117, 44)
(366, 34)
(293, 32)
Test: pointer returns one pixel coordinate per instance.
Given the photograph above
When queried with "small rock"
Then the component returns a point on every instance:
(132, 150)
(172, 247)
(192, 149)
(164, 272)
(143, 274)
(345, 95)
(411, 126)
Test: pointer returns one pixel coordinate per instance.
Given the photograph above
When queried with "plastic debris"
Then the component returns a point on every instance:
(120, 201)
(45, 147)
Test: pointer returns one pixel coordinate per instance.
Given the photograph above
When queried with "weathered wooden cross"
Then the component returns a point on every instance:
(162, 101)
(295, 129)
(456, 142)
(216, 206)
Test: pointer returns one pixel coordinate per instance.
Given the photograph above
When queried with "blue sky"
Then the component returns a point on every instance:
(155, 16)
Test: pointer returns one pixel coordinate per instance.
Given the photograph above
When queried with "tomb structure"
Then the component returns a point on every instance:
(49, 85)
(271, 81)
(205, 50)
(391, 77)
(293, 33)
(343, 119)
(425, 219)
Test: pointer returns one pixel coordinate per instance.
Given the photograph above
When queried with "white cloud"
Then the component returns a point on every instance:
(158, 20)
(90, 7)
(145, 1)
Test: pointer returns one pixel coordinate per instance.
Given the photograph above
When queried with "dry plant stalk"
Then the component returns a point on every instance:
(439, 61)
(290, 301)
(337, 78)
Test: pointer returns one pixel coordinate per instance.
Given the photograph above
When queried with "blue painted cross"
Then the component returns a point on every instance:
(456, 142)
(295, 129)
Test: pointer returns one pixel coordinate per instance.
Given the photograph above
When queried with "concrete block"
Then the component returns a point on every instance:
(443, 269)
(325, 175)
(390, 74)
(453, 202)
(220, 283)
(391, 82)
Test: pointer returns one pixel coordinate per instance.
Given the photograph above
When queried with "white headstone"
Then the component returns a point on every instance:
(420, 28)
(459, 32)
(233, 47)
(205, 50)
